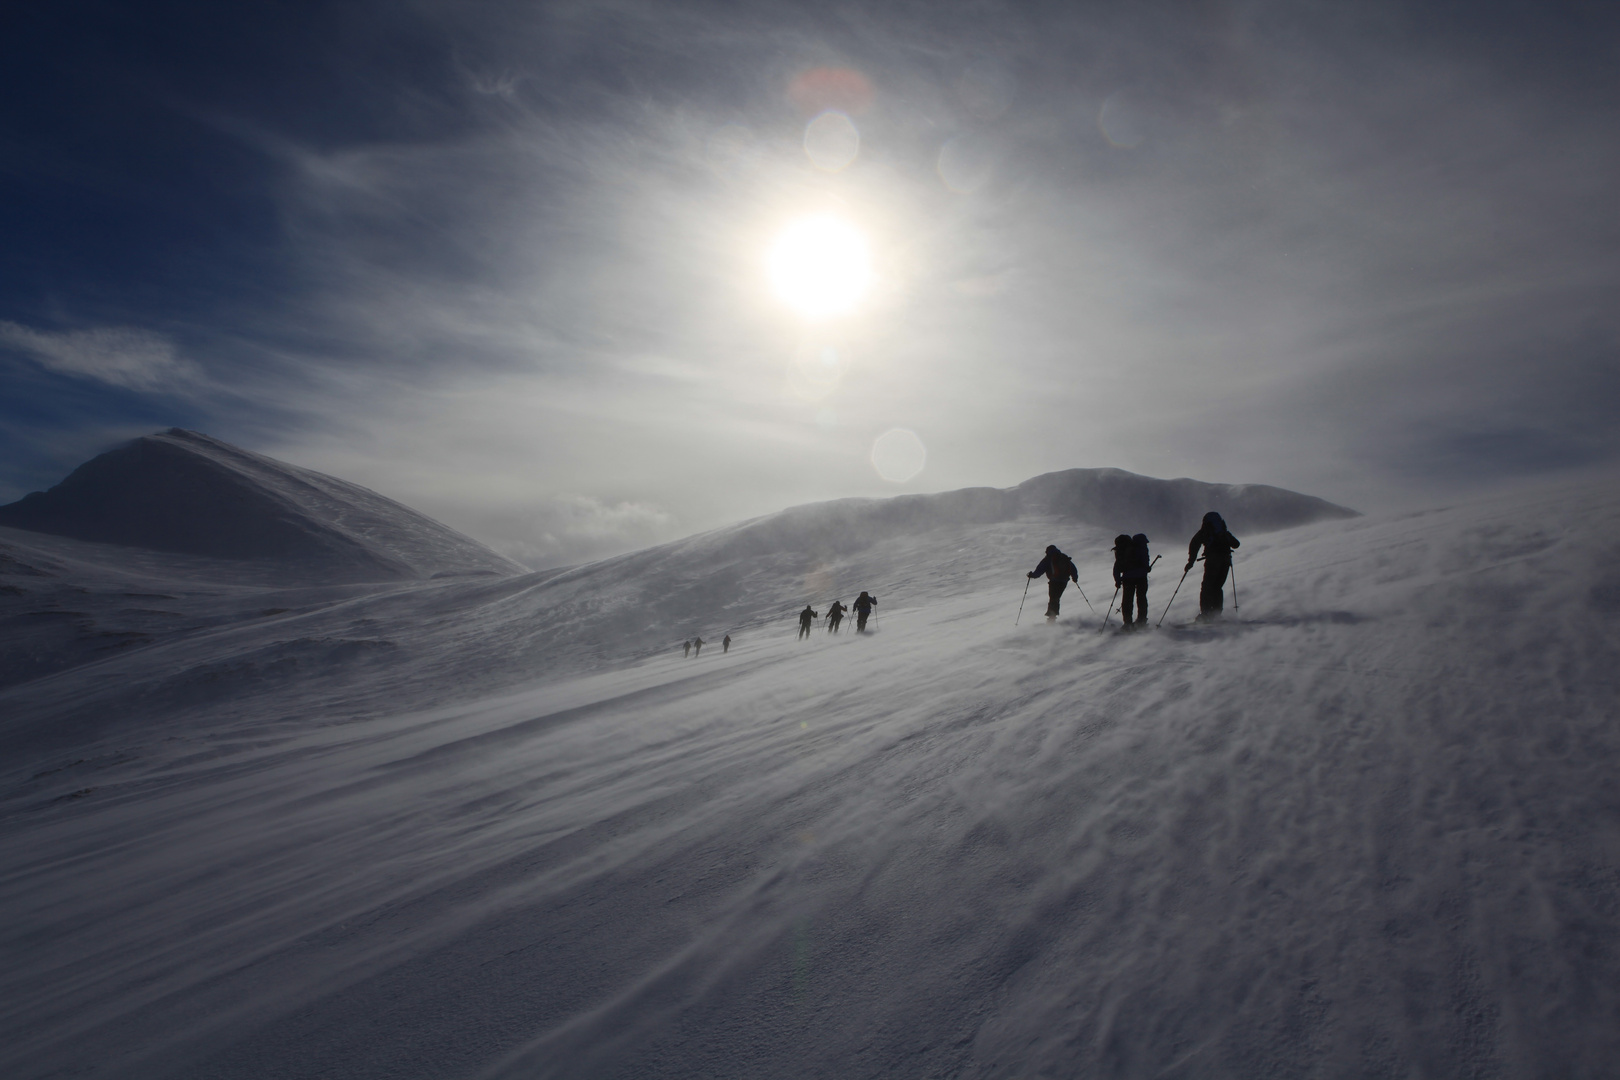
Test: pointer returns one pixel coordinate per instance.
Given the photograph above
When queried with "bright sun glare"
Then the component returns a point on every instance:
(819, 267)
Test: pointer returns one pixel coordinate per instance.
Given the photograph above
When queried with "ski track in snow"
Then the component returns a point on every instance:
(1368, 826)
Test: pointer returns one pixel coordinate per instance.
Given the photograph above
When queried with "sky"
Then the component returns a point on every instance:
(576, 278)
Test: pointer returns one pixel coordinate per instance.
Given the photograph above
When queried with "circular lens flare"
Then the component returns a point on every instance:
(820, 267)
(898, 455)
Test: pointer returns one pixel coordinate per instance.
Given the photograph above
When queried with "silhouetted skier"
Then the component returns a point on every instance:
(697, 648)
(1131, 568)
(863, 605)
(806, 617)
(835, 615)
(1217, 544)
(1059, 570)
(686, 647)
(725, 644)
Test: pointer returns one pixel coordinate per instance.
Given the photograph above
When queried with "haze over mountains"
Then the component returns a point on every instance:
(499, 826)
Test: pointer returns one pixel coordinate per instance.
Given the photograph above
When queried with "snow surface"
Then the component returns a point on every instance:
(1368, 826)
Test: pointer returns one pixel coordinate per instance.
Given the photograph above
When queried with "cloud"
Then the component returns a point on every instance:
(567, 529)
(119, 356)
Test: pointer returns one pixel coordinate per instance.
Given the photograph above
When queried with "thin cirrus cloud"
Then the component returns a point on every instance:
(126, 357)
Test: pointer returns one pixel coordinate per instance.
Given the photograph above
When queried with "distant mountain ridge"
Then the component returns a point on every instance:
(186, 492)
(1112, 499)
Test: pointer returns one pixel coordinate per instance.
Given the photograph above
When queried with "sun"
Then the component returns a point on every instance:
(819, 266)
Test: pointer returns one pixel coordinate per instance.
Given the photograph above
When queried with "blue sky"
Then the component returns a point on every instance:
(509, 263)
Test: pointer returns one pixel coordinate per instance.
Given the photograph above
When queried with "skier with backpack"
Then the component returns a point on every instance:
(1218, 545)
(835, 615)
(1131, 569)
(863, 606)
(1059, 570)
(806, 617)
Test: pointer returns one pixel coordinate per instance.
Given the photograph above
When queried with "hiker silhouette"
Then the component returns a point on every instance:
(1059, 570)
(1218, 544)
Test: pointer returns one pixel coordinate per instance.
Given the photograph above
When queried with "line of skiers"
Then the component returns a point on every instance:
(1132, 566)
(862, 606)
(1131, 569)
(693, 647)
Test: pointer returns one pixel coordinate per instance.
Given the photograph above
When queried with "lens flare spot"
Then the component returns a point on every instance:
(822, 88)
(1122, 121)
(832, 141)
(818, 368)
(820, 267)
(986, 89)
(965, 163)
(898, 455)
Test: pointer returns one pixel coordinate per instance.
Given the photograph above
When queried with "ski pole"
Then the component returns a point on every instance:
(1021, 602)
(1166, 610)
(1104, 625)
(1234, 588)
(1093, 610)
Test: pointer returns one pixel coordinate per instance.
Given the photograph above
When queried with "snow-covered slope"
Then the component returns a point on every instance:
(1369, 826)
(181, 491)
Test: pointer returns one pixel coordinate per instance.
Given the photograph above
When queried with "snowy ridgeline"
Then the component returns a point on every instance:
(185, 492)
(1369, 826)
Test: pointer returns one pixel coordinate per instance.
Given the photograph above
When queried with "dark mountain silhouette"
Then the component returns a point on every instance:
(181, 491)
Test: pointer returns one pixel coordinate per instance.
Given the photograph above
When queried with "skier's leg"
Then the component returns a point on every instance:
(1054, 596)
(1217, 593)
(1128, 605)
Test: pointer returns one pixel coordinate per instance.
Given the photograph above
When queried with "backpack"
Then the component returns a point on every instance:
(1139, 552)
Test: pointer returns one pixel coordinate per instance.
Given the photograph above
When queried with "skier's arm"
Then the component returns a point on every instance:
(1233, 540)
(1192, 548)
(1044, 565)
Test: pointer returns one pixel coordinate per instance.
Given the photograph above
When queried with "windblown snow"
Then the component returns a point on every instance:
(1369, 825)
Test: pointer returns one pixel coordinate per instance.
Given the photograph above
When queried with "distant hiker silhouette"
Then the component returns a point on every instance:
(1217, 544)
(686, 647)
(863, 605)
(725, 644)
(697, 648)
(806, 617)
(1059, 570)
(1131, 569)
(835, 615)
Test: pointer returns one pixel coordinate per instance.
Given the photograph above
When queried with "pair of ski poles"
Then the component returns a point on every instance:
(1028, 579)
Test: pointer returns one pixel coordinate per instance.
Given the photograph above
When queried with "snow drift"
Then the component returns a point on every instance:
(181, 491)
(1368, 826)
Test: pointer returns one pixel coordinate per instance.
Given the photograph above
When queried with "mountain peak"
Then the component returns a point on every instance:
(190, 493)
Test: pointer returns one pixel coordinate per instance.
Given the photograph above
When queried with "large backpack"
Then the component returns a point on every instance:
(1139, 552)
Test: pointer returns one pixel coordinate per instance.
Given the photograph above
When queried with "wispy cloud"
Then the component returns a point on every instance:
(119, 356)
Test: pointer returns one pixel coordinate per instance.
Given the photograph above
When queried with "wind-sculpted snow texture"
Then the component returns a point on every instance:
(181, 491)
(1369, 826)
